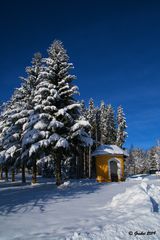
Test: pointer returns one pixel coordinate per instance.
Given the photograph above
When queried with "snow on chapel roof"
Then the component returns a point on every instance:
(109, 149)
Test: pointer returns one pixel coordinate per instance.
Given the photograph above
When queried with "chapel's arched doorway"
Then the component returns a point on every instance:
(114, 171)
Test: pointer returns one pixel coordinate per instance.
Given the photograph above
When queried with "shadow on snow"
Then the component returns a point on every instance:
(25, 198)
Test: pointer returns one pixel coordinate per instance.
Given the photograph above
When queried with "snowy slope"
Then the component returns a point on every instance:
(83, 210)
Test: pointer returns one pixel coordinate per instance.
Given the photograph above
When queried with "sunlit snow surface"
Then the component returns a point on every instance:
(81, 210)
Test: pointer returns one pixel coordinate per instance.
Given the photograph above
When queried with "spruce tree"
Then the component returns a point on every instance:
(91, 117)
(83, 109)
(102, 123)
(98, 126)
(153, 158)
(139, 160)
(43, 120)
(15, 118)
(55, 112)
(11, 134)
(2, 151)
(9, 138)
(110, 129)
(121, 127)
(76, 128)
(36, 131)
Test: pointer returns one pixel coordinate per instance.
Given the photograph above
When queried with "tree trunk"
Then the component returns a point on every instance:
(1, 173)
(96, 137)
(13, 175)
(134, 169)
(6, 174)
(90, 163)
(58, 174)
(23, 174)
(77, 167)
(84, 163)
(34, 172)
(101, 139)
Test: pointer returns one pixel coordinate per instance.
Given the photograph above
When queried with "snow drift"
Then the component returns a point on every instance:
(134, 212)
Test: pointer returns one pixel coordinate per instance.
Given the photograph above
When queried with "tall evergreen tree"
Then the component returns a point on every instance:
(153, 159)
(29, 85)
(102, 124)
(83, 109)
(7, 137)
(56, 112)
(138, 160)
(15, 117)
(2, 151)
(98, 125)
(91, 117)
(110, 131)
(11, 133)
(121, 128)
(76, 127)
(129, 163)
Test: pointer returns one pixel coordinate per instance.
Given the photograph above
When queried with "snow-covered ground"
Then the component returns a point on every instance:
(81, 210)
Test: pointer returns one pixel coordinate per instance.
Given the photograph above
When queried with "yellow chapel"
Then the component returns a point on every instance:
(109, 163)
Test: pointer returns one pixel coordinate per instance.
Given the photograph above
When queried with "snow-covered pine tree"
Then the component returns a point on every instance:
(10, 137)
(84, 111)
(80, 141)
(75, 128)
(139, 159)
(16, 115)
(1, 107)
(84, 114)
(41, 123)
(2, 151)
(58, 66)
(110, 128)
(156, 156)
(55, 110)
(152, 159)
(121, 127)
(7, 151)
(29, 86)
(91, 114)
(147, 161)
(13, 119)
(91, 117)
(129, 163)
(102, 123)
(157, 159)
(42, 132)
(98, 124)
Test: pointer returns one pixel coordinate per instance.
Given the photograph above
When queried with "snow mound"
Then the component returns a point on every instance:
(129, 211)
(132, 199)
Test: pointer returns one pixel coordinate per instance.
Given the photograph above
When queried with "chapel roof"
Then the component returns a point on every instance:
(109, 150)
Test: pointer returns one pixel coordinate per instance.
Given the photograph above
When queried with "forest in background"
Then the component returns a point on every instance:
(45, 129)
(143, 161)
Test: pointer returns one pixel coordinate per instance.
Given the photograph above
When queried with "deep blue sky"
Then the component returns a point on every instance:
(114, 45)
